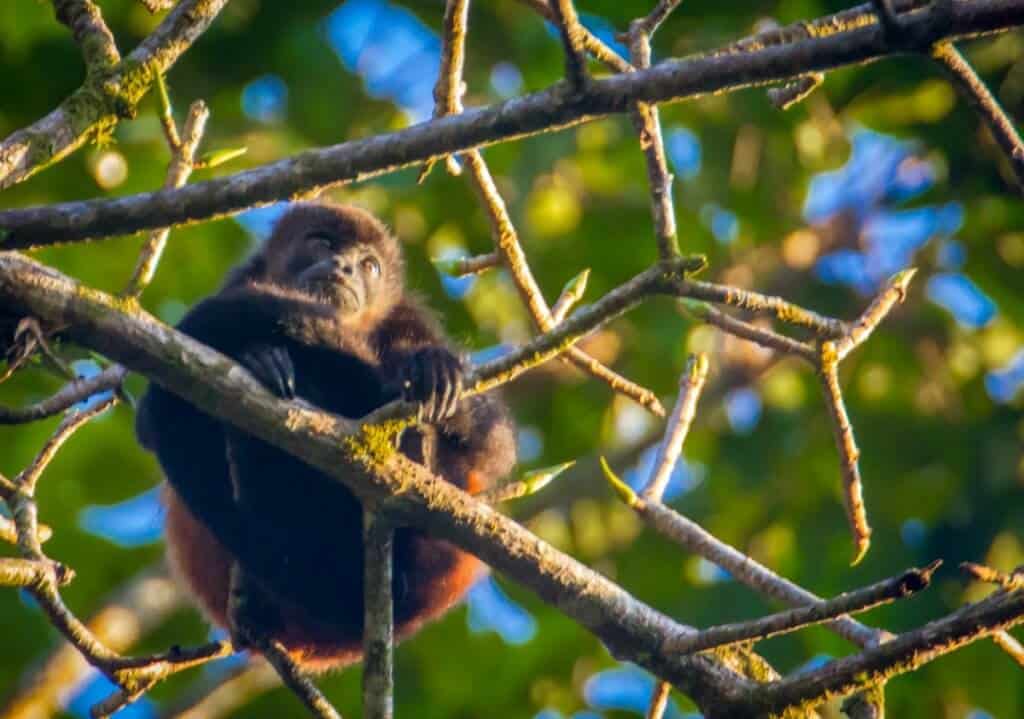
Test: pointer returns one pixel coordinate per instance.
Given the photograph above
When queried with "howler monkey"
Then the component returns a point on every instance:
(319, 313)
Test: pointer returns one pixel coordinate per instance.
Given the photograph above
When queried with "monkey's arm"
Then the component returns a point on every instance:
(190, 444)
(476, 434)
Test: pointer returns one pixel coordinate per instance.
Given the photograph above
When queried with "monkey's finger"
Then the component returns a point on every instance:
(285, 371)
(261, 363)
(432, 370)
(457, 385)
(256, 364)
(452, 388)
(277, 381)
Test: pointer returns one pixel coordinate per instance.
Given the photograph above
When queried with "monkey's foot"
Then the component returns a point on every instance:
(252, 617)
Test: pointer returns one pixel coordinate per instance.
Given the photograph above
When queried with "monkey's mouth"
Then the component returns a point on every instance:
(332, 289)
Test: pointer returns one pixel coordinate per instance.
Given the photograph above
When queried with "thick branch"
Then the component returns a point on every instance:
(745, 64)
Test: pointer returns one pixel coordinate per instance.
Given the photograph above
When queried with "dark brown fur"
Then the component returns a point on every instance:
(298, 533)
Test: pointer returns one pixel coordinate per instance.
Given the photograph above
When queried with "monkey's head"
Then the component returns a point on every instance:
(338, 254)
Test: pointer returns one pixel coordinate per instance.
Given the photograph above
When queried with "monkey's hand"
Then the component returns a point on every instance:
(433, 377)
(273, 367)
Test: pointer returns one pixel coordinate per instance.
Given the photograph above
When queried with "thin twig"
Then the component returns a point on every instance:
(742, 567)
(166, 114)
(294, 679)
(831, 353)
(182, 162)
(140, 674)
(691, 383)
(551, 344)
(450, 86)
(28, 477)
(72, 393)
(591, 42)
(1005, 641)
(745, 330)
(571, 33)
(791, 93)
(859, 600)
(650, 24)
(659, 701)
(973, 89)
(849, 454)
(462, 266)
(859, 330)
(91, 33)
(755, 302)
(505, 236)
(378, 619)
(506, 239)
(647, 121)
(1009, 581)
(131, 613)
(509, 248)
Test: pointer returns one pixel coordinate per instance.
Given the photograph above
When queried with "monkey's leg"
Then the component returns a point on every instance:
(253, 619)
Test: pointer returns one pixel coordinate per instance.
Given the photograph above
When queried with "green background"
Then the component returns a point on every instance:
(936, 448)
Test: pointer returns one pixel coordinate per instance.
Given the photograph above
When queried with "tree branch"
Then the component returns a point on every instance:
(571, 32)
(973, 89)
(106, 96)
(378, 619)
(900, 655)
(691, 383)
(85, 21)
(753, 62)
(72, 393)
(183, 160)
(692, 536)
(860, 600)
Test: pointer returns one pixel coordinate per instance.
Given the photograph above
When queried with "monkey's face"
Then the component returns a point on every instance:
(346, 275)
(342, 256)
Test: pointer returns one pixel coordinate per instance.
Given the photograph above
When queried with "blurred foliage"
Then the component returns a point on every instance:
(942, 453)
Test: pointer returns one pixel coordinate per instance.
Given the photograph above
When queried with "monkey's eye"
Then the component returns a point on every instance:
(319, 241)
(371, 266)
